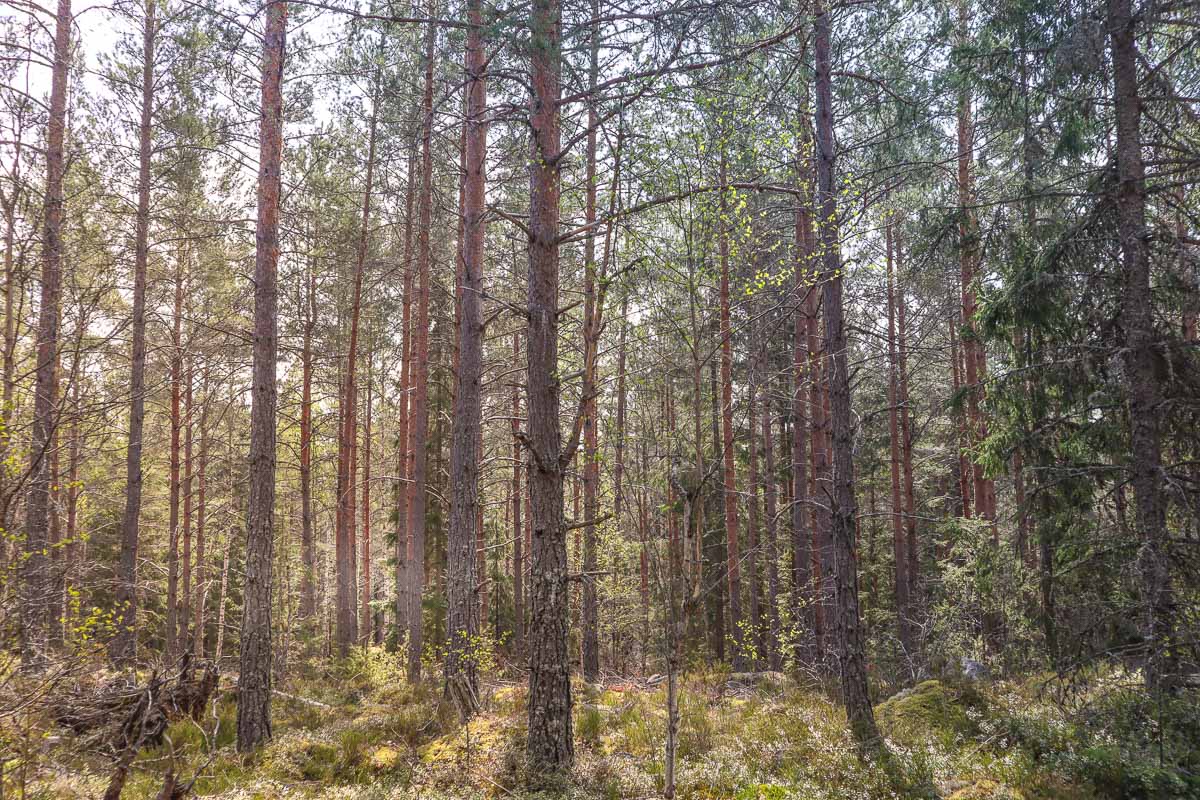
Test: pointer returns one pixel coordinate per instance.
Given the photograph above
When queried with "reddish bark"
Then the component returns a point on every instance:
(254, 678)
(185, 604)
(1140, 355)
(550, 747)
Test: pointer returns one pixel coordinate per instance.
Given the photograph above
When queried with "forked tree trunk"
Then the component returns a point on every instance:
(254, 674)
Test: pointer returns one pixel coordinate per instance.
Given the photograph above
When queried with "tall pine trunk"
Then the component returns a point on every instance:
(590, 611)
(901, 581)
(464, 569)
(848, 624)
(35, 569)
(732, 557)
(308, 589)
(419, 419)
(254, 679)
(550, 747)
(347, 586)
(1141, 356)
(123, 648)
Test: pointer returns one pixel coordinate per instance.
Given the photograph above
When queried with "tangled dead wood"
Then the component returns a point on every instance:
(121, 717)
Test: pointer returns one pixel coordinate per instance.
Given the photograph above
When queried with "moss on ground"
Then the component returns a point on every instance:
(379, 737)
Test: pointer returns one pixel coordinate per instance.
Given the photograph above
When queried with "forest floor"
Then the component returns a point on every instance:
(358, 732)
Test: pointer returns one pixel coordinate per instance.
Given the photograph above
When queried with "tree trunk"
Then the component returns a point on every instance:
(123, 648)
(851, 657)
(404, 453)
(774, 657)
(803, 601)
(345, 545)
(36, 577)
(419, 419)
(254, 681)
(201, 513)
(464, 569)
(733, 560)
(757, 628)
(906, 438)
(185, 606)
(365, 614)
(590, 611)
(517, 500)
(550, 747)
(308, 591)
(172, 631)
(969, 255)
(1141, 356)
(900, 554)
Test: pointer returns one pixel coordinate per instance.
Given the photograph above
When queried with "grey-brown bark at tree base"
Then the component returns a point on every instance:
(590, 611)
(1140, 355)
(348, 621)
(419, 418)
(254, 674)
(906, 436)
(201, 543)
(517, 502)
(733, 559)
(403, 449)
(803, 601)
(463, 572)
(848, 624)
(308, 587)
(550, 746)
(36, 578)
(900, 556)
(123, 646)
